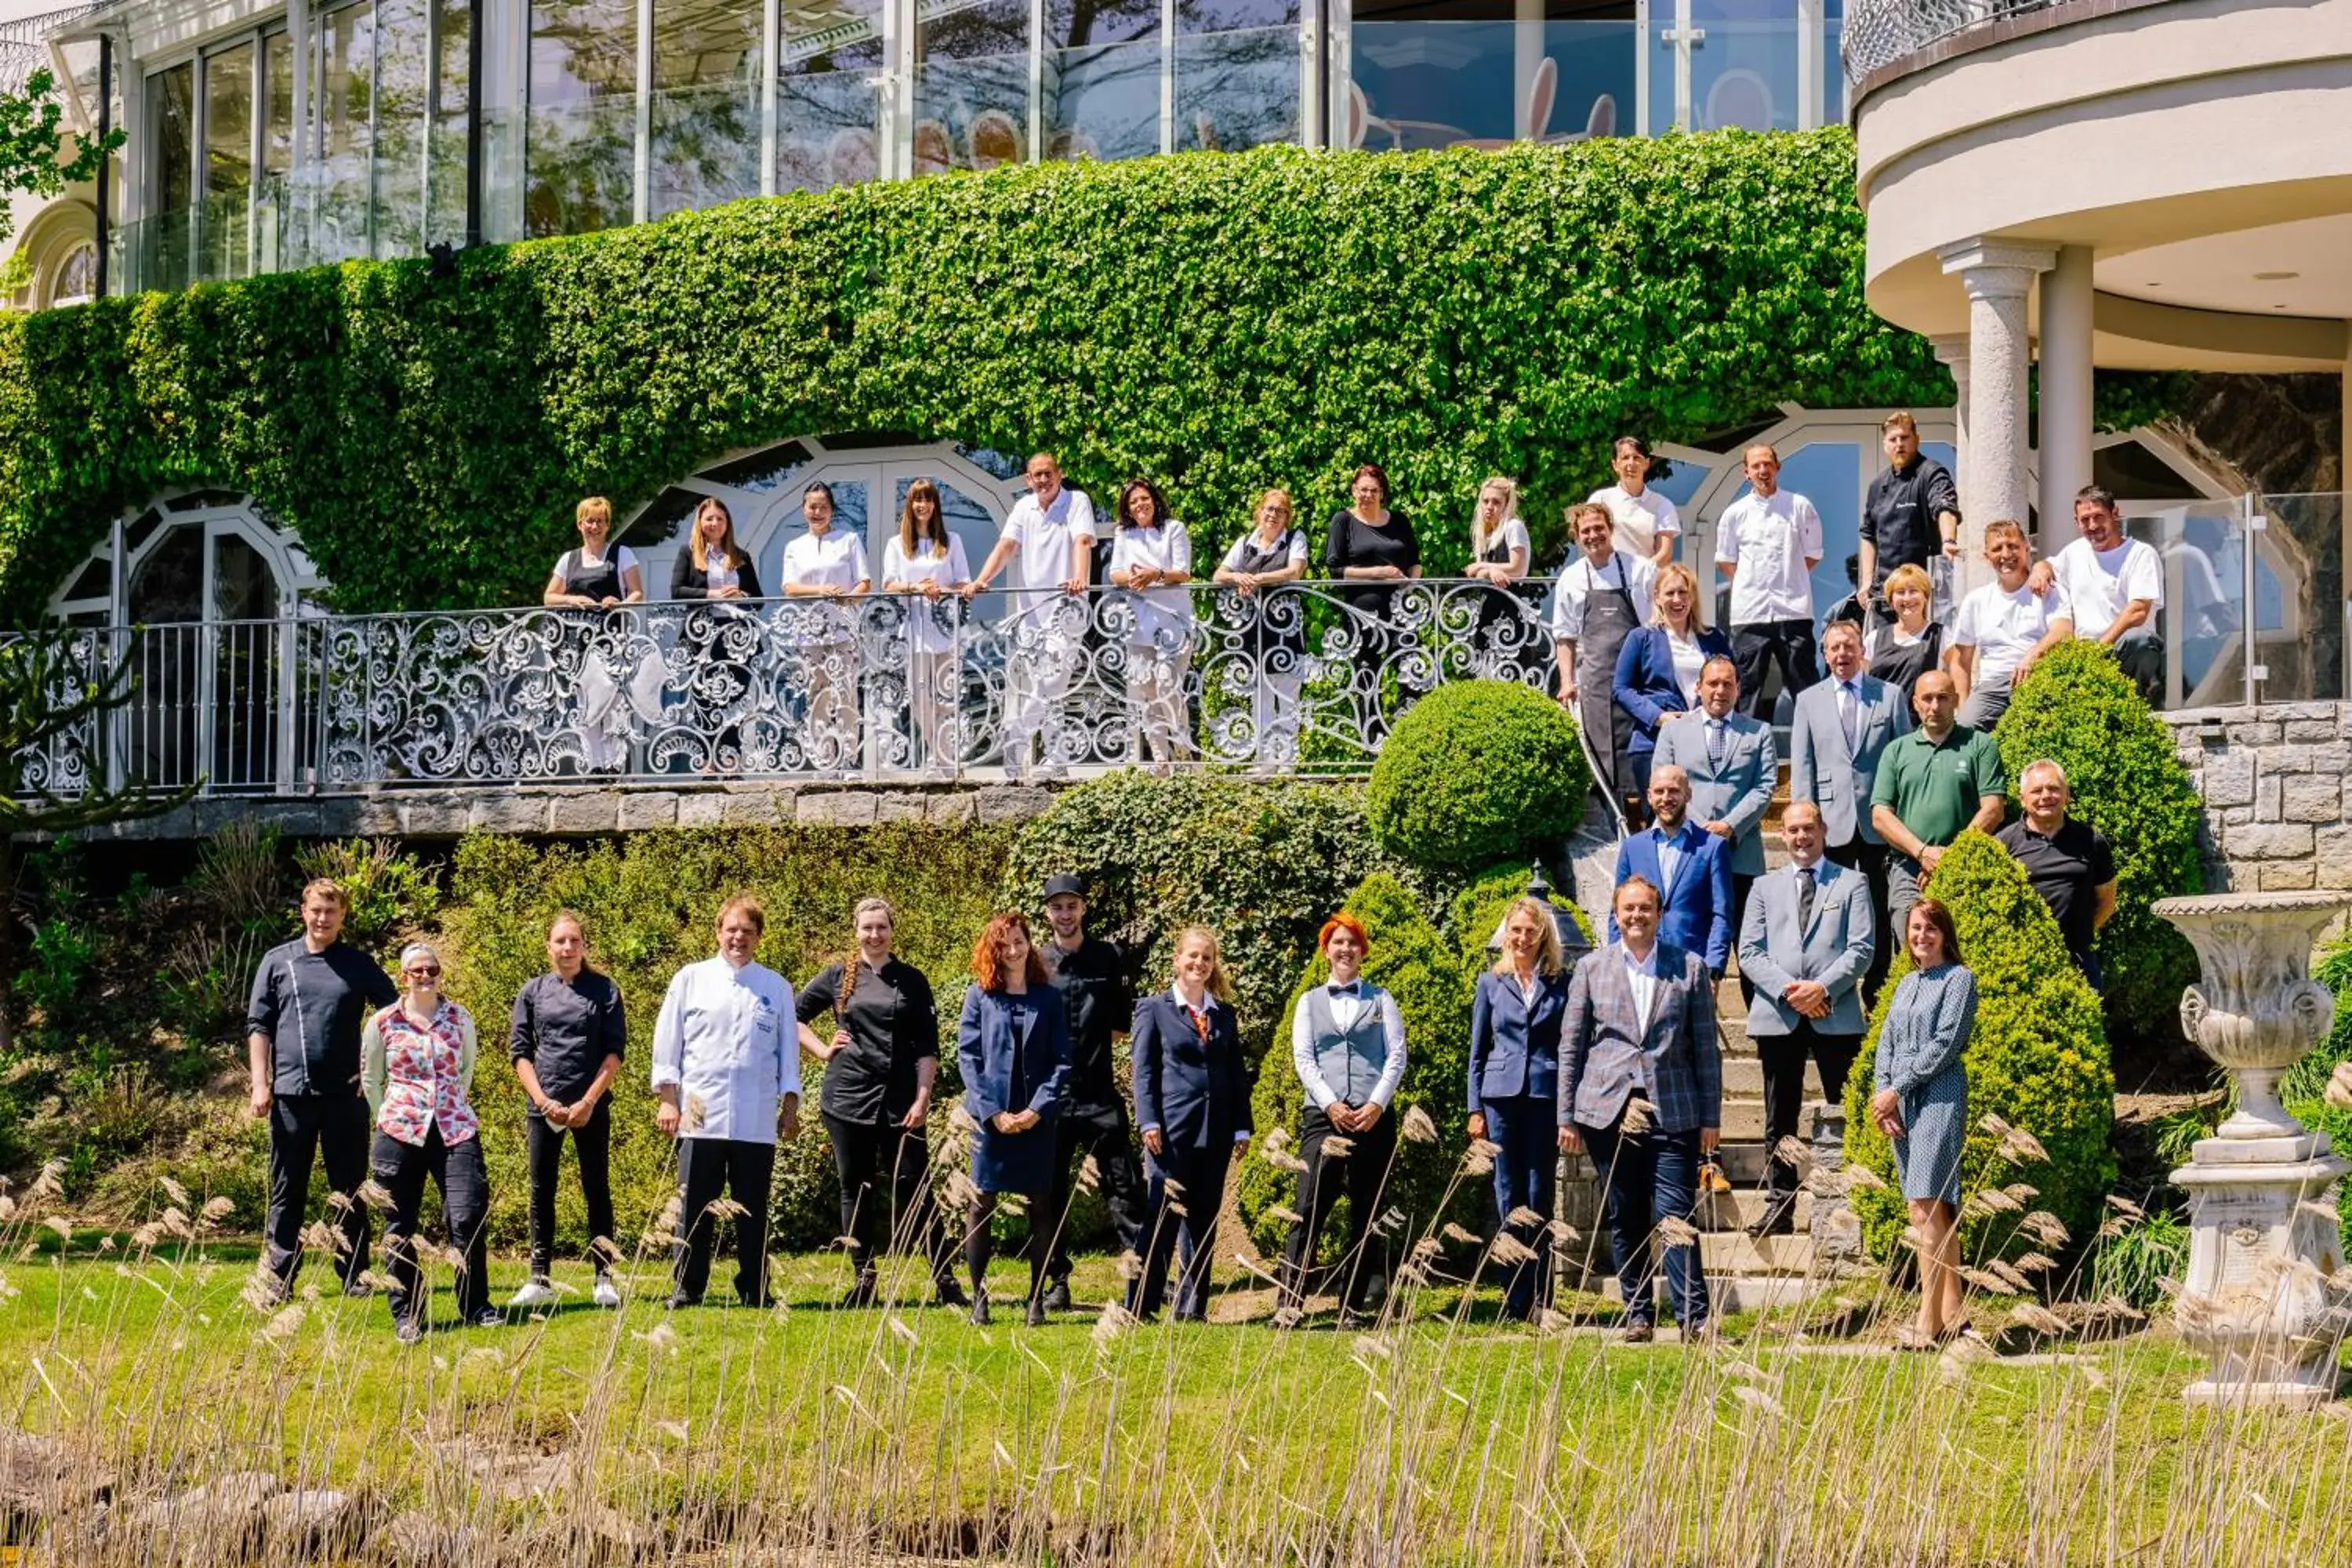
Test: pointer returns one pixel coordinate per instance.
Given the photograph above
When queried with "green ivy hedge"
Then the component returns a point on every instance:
(1220, 322)
(1477, 772)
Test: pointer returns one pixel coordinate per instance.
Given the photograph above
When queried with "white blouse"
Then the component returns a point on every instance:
(1640, 519)
(1164, 616)
(930, 627)
(1690, 659)
(727, 1038)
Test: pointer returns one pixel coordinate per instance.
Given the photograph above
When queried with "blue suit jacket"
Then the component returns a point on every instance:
(1515, 1047)
(985, 1052)
(1697, 912)
(1196, 1091)
(1645, 683)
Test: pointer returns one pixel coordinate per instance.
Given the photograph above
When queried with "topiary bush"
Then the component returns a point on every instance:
(2077, 708)
(1478, 771)
(1422, 966)
(2038, 1060)
(1262, 864)
(2302, 1092)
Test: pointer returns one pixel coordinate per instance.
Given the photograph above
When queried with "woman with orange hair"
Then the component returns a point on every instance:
(1347, 1041)
(1192, 1102)
(1013, 1046)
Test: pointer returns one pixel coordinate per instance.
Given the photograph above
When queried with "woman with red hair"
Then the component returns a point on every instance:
(1013, 1046)
(1347, 1042)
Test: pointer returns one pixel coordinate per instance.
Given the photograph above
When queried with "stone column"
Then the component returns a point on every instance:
(2065, 457)
(1998, 276)
(2264, 1237)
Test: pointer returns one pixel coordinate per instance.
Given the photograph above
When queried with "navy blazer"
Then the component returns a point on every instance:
(984, 1051)
(1645, 683)
(1196, 1091)
(1695, 913)
(1515, 1047)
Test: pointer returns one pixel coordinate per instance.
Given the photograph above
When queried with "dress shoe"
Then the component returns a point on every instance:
(861, 1294)
(1192, 1317)
(1037, 1311)
(680, 1300)
(408, 1331)
(1778, 1220)
(948, 1293)
(1637, 1335)
(1058, 1296)
(978, 1309)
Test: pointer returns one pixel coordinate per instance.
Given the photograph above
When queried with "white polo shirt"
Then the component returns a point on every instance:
(2003, 626)
(1041, 565)
(2102, 583)
(1769, 543)
(1639, 519)
(1580, 579)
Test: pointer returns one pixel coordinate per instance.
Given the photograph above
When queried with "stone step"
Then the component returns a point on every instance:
(1743, 1078)
(1727, 1293)
(1737, 1252)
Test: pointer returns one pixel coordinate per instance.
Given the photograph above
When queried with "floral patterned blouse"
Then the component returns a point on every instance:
(418, 1078)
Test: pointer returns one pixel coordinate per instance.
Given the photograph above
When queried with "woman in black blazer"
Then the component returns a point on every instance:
(1515, 1023)
(712, 565)
(721, 642)
(1658, 666)
(1193, 1102)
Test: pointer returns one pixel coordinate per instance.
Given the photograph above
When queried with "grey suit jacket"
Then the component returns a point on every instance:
(1832, 774)
(1605, 1053)
(1737, 793)
(1834, 949)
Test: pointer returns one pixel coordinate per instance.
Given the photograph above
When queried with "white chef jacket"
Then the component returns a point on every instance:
(1769, 540)
(729, 1040)
(835, 561)
(1580, 579)
(930, 628)
(1640, 519)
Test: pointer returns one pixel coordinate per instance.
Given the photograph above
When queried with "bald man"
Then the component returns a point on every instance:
(1934, 784)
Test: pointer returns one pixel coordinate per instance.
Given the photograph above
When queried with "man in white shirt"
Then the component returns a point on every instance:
(1767, 544)
(1049, 541)
(2114, 587)
(727, 1068)
(2001, 629)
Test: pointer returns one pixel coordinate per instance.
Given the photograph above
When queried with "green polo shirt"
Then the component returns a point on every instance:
(1936, 789)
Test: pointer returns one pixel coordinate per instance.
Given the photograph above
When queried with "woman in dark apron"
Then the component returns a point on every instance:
(1902, 652)
(600, 576)
(1274, 639)
(1604, 596)
(1509, 640)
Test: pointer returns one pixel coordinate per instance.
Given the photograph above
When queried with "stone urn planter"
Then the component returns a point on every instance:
(2264, 1237)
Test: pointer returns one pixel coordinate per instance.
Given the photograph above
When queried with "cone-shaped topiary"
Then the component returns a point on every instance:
(1424, 969)
(2077, 708)
(1478, 771)
(2038, 1060)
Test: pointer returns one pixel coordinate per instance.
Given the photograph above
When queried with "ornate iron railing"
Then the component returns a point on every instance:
(1305, 677)
(1879, 32)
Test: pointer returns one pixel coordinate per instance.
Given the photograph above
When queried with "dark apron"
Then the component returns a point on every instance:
(1608, 620)
(600, 582)
(1902, 667)
(1514, 642)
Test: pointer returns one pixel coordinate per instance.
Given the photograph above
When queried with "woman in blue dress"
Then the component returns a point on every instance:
(1922, 1104)
(1013, 1046)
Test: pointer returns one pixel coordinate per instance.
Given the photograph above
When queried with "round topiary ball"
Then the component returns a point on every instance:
(1478, 771)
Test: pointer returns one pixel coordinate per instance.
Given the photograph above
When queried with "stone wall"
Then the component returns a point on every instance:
(2273, 782)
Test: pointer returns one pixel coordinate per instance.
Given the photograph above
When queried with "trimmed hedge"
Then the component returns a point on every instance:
(1477, 772)
(2038, 1059)
(1220, 322)
(2077, 707)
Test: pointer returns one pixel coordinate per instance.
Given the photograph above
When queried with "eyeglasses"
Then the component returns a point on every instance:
(424, 970)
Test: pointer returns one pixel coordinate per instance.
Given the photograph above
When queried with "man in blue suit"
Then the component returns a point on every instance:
(1733, 765)
(1836, 734)
(1805, 944)
(1691, 867)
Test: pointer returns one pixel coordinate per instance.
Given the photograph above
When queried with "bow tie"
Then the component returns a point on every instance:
(1350, 990)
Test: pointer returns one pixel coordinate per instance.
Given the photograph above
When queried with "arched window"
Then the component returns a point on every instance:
(73, 280)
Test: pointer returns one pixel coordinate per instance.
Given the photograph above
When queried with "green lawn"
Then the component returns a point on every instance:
(1445, 1439)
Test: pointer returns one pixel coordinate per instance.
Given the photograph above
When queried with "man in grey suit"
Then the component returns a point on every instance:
(1733, 765)
(1835, 736)
(1806, 944)
(1639, 1032)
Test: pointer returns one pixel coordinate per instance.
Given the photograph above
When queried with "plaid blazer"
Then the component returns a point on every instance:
(1604, 1053)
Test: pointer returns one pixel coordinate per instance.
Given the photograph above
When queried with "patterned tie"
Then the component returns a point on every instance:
(1714, 744)
(1805, 890)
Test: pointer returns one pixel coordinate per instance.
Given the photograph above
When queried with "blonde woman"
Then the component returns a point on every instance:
(1271, 556)
(416, 1068)
(827, 564)
(1193, 1103)
(1508, 642)
(599, 575)
(1658, 666)
(1514, 1021)
(1903, 650)
(925, 562)
(712, 565)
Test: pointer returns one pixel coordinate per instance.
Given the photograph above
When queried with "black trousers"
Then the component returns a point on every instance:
(1645, 1177)
(1783, 1058)
(592, 1142)
(1760, 645)
(705, 1168)
(1200, 1175)
(402, 1169)
(1101, 1132)
(980, 1241)
(1742, 884)
(1858, 854)
(886, 1205)
(1362, 1174)
(303, 1129)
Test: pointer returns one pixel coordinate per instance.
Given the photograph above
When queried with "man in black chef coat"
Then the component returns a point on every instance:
(1091, 973)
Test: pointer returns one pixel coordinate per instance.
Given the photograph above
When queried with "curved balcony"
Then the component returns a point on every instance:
(1884, 39)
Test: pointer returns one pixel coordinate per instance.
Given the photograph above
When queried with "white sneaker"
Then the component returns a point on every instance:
(605, 1294)
(534, 1293)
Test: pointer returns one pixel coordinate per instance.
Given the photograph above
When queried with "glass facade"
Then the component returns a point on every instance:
(600, 112)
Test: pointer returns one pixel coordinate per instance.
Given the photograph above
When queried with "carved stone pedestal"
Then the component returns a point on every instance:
(2263, 1239)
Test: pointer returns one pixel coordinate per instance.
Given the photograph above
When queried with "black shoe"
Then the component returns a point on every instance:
(1637, 1335)
(408, 1331)
(1781, 1219)
(947, 1293)
(1352, 1318)
(759, 1303)
(979, 1309)
(680, 1300)
(861, 1294)
(357, 1289)
(1036, 1311)
(1192, 1317)
(1058, 1296)
(488, 1318)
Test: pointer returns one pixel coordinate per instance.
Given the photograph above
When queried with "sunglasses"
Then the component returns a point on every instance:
(423, 971)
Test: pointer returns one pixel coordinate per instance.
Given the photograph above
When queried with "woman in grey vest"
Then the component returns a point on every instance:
(1347, 1040)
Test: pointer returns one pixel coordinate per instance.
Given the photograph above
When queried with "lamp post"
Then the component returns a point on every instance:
(1572, 943)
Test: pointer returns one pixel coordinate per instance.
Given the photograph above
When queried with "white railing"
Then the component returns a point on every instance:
(1879, 32)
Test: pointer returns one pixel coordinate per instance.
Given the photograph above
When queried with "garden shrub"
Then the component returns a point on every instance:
(1477, 772)
(1262, 864)
(2078, 708)
(391, 894)
(2303, 1090)
(2038, 1060)
(1423, 968)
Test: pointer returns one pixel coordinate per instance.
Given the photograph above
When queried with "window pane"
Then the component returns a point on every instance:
(582, 140)
(972, 86)
(1431, 84)
(1744, 73)
(825, 103)
(705, 107)
(228, 160)
(404, 78)
(346, 130)
(171, 111)
(445, 214)
(277, 89)
(1238, 73)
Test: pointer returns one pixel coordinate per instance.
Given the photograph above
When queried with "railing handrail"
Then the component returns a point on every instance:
(1878, 34)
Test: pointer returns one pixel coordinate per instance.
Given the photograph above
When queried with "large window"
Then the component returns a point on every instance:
(1237, 74)
(1100, 82)
(828, 108)
(972, 86)
(705, 119)
(581, 146)
(404, 85)
(228, 161)
(346, 116)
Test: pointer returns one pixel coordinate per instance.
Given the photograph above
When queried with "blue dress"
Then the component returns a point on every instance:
(1928, 1027)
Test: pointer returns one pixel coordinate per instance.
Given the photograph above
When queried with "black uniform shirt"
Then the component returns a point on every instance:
(893, 1022)
(1899, 514)
(309, 1007)
(565, 1030)
(1093, 980)
(2067, 868)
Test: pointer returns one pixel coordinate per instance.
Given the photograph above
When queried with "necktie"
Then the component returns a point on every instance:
(1199, 1022)
(1343, 990)
(1848, 705)
(1714, 744)
(1805, 890)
